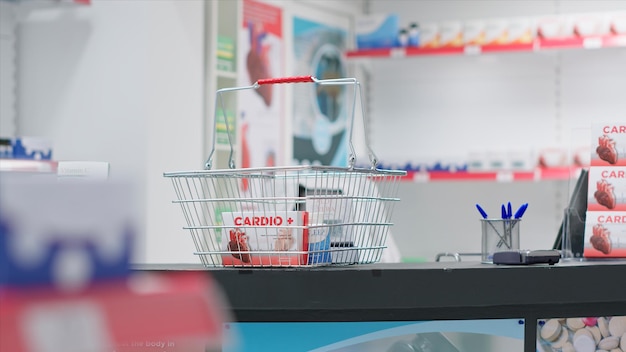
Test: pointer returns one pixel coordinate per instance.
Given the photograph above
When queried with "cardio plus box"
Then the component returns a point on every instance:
(279, 237)
(376, 31)
(608, 144)
(605, 235)
(607, 189)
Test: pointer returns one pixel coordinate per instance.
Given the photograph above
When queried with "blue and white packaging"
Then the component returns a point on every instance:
(319, 243)
(377, 31)
(327, 242)
(34, 148)
(414, 34)
(68, 235)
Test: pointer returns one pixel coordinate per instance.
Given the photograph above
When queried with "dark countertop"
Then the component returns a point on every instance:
(438, 290)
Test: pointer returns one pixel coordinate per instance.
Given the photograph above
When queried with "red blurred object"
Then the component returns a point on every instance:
(176, 311)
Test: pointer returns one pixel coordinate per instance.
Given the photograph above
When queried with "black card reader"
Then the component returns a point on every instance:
(526, 257)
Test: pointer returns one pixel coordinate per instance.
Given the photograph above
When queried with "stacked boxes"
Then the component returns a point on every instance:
(387, 31)
(605, 230)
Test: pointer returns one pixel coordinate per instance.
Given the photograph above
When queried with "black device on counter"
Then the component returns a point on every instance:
(526, 257)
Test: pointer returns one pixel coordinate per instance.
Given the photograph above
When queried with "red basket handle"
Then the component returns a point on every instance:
(294, 79)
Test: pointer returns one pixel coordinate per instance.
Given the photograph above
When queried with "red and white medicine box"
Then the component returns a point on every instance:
(265, 238)
(607, 189)
(605, 235)
(608, 144)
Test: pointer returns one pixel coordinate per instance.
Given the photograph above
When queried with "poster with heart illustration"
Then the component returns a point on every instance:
(260, 112)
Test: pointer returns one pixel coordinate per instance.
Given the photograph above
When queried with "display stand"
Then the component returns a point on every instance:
(422, 292)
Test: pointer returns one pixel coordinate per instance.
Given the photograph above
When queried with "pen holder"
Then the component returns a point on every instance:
(498, 235)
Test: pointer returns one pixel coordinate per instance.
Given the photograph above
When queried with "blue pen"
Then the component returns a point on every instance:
(509, 213)
(482, 211)
(507, 229)
(520, 212)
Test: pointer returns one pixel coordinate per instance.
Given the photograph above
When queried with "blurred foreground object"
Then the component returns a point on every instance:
(65, 278)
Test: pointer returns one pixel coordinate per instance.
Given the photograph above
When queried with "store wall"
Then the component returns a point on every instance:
(7, 69)
(123, 82)
(450, 108)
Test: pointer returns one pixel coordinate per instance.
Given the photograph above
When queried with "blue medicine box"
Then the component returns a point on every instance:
(377, 31)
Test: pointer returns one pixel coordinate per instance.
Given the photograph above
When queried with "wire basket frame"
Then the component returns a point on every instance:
(288, 216)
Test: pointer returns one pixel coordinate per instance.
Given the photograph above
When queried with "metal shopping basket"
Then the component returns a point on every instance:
(289, 216)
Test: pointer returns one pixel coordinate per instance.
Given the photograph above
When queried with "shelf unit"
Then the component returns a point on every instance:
(538, 174)
(539, 44)
(220, 23)
(488, 87)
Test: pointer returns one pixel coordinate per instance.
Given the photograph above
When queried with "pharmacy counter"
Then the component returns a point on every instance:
(424, 292)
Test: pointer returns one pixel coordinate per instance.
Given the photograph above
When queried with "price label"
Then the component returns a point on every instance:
(472, 49)
(397, 53)
(592, 43)
(76, 326)
(504, 176)
(421, 177)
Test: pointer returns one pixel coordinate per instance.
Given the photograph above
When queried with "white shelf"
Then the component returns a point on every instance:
(30, 5)
(538, 174)
(25, 165)
(538, 45)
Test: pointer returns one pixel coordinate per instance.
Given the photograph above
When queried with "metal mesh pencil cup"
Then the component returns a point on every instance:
(291, 216)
